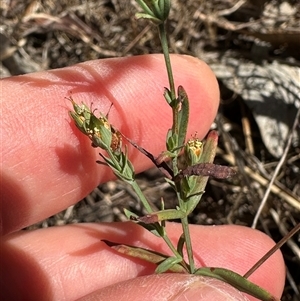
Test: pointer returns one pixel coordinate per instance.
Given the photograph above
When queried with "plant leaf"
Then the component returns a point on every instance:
(180, 244)
(237, 281)
(148, 255)
(183, 115)
(167, 214)
(167, 264)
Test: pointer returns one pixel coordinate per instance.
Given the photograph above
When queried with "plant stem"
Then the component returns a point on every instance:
(170, 245)
(141, 196)
(165, 48)
(184, 221)
(188, 243)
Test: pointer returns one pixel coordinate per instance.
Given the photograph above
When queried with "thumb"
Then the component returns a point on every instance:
(175, 287)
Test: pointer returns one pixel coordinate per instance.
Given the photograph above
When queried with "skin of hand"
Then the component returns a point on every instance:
(48, 165)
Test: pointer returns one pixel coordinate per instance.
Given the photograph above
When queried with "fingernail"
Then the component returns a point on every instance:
(208, 289)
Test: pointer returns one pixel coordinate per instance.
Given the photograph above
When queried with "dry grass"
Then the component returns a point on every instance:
(45, 35)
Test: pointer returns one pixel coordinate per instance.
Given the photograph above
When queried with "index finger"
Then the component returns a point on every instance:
(49, 164)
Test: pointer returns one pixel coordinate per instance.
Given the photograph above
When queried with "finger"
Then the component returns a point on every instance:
(173, 287)
(48, 165)
(65, 263)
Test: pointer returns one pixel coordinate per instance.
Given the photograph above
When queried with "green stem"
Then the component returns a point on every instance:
(170, 245)
(165, 48)
(184, 221)
(186, 233)
(141, 196)
(188, 243)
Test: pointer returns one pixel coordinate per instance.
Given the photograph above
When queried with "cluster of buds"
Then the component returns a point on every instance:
(156, 11)
(103, 135)
(99, 130)
(193, 151)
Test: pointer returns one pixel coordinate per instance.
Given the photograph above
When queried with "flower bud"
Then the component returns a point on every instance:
(155, 10)
(193, 151)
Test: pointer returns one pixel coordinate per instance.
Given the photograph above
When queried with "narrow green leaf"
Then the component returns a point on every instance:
(172, 141)
(130, 214)
(167, 265)
(209, 148)
(237, 281)
(180, 244)
(183, 115)
(144, 6)
(168, 214)
(156, 229)
(164, 6)
(149, 17)
(192, 202)
(147, 255)
(168, 96)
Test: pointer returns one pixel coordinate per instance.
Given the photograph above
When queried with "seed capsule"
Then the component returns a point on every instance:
(209, 169)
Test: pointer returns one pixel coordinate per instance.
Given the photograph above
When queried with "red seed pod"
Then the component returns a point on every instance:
(209, 169)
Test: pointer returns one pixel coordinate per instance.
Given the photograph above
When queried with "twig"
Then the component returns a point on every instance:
(277, 169)
(289, 197)
(273, 250)
(283, 230)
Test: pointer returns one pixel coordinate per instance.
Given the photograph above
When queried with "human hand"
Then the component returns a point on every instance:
(48, 166)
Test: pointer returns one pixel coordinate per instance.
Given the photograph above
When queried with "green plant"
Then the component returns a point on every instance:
(189, 182)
